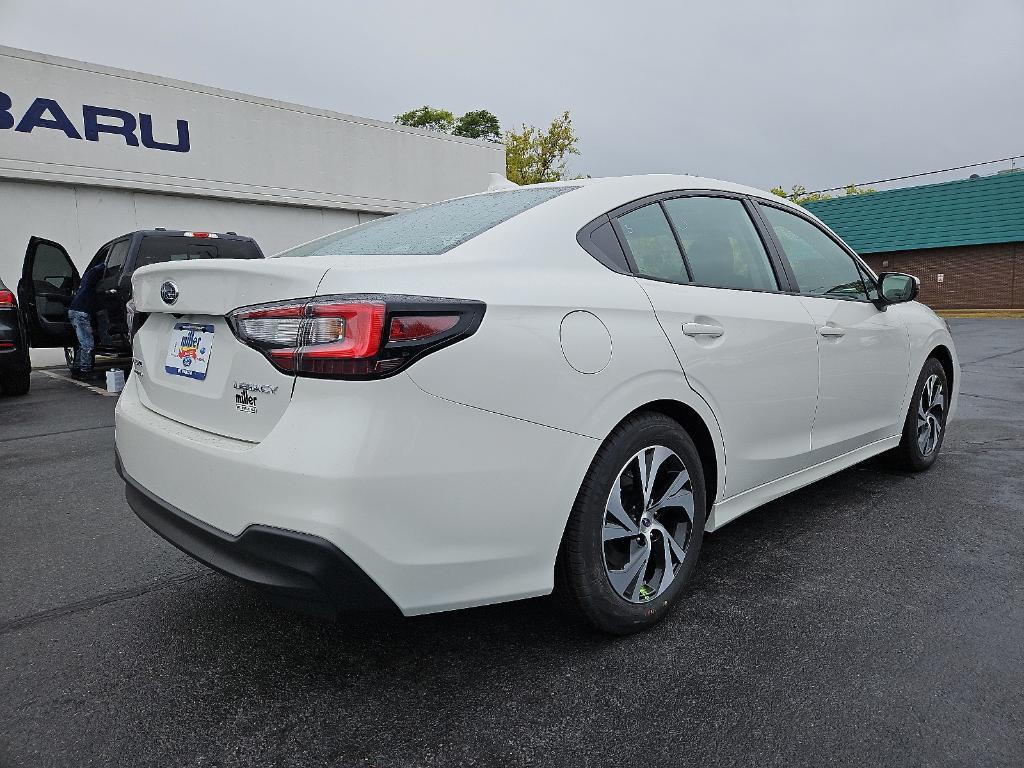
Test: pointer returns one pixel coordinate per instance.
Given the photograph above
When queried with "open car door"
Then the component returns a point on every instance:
(48, 281)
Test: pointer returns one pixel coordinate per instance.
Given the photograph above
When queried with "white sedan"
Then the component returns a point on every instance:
(562, 386)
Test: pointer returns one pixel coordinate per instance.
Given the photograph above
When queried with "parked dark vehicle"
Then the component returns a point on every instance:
(15, 366)
(49, 280)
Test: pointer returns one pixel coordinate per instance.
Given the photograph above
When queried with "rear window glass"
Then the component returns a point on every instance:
(156, 249)
(430, 230)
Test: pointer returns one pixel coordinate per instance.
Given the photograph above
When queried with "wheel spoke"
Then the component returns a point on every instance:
(614, 532)
(615, 510)
(622, 579)
(669, 572)
(677, 496)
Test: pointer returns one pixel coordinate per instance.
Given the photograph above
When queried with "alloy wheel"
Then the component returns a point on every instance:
(648, 524)
(930, 411)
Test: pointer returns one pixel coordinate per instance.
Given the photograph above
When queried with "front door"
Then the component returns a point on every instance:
(864, 352)
(48, 281)
(748, 349)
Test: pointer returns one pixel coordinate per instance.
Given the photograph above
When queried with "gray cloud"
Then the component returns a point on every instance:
(818, 93)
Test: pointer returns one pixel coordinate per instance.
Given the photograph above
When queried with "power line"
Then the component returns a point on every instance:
(918, 175)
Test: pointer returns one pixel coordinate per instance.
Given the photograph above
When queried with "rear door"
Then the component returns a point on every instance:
(113, 292)
(864, 352)
(48, 282)
(745, 346)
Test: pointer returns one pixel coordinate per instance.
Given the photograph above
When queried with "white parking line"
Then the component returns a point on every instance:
(97, 390)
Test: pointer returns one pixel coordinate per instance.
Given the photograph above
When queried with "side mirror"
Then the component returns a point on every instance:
(897, 288)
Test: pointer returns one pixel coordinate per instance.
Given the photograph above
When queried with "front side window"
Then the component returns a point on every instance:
(430, 230)
(652, 244)
(720, 242)
(820, 266)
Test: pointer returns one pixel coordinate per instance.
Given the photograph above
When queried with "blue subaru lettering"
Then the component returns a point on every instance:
(47, 113)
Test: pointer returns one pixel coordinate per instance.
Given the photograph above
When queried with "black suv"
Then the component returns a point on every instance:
(49, 280)
(14, 362)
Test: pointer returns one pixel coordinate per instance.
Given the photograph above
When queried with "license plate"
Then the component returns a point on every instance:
(188, 354)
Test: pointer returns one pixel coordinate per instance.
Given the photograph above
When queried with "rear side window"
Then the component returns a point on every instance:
(652, 244)
(430, 230)
(720, 242)
(115, 259)
(820, 266)
(156, 249)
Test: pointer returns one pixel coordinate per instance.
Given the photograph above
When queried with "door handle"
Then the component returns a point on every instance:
(832, 331)
(702, 329)
(111, 291)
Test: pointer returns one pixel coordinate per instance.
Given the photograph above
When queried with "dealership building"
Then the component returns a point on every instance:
(89, 152)
(964, 239)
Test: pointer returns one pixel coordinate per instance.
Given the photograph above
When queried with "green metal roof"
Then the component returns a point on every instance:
(989, 209)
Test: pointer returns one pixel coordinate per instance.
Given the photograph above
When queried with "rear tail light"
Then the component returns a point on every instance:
(134, 317)
(360, 336)
(7, 300)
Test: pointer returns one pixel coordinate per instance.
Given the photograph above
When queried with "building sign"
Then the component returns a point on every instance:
(47, 114)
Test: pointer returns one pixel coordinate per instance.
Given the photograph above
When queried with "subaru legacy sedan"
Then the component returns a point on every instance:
(557, 387)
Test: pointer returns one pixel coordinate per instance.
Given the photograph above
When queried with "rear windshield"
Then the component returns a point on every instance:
(429, 230)
(156, 249)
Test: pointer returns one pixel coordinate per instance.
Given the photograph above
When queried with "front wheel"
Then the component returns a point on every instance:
(635, 531)
(925, 426)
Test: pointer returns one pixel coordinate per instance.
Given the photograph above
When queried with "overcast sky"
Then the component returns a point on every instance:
(817, 93)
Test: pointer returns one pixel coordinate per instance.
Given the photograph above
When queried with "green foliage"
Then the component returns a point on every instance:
(533, 156)
(431, 118)
(799, 194)
(479, 124)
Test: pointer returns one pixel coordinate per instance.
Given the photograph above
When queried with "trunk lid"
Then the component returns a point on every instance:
(239, 394)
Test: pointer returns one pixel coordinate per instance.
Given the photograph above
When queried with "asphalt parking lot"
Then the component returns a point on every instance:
(872, 618)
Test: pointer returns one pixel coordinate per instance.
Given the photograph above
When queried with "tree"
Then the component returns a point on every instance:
(431, 118)
(479, 124)
(533, 156)
(799, 194)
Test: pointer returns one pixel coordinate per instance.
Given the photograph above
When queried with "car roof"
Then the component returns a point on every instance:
(181, 233)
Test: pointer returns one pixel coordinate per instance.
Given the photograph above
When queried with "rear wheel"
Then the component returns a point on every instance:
(635, 531)
(925, 426)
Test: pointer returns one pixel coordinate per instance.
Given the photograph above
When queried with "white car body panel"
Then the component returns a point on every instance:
(450, 483)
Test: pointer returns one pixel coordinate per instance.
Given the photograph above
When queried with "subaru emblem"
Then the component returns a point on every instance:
(169, 292)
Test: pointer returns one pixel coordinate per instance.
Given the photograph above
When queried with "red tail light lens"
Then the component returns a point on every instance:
(7, 300)
(344, 336)
(417, 327)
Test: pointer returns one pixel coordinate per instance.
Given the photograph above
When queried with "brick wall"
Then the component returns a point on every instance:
(974, 276)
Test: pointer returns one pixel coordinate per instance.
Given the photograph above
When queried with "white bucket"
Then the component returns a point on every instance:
(115, 380)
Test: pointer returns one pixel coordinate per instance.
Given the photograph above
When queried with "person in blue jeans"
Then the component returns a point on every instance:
(83, 304)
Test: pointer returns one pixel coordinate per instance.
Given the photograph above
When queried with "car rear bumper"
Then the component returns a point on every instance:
(440, 505)
(298, 569)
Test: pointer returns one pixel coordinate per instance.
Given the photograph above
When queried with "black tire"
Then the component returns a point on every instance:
(15, 383)
(69, 358)
(582, 577)
(909, 454)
